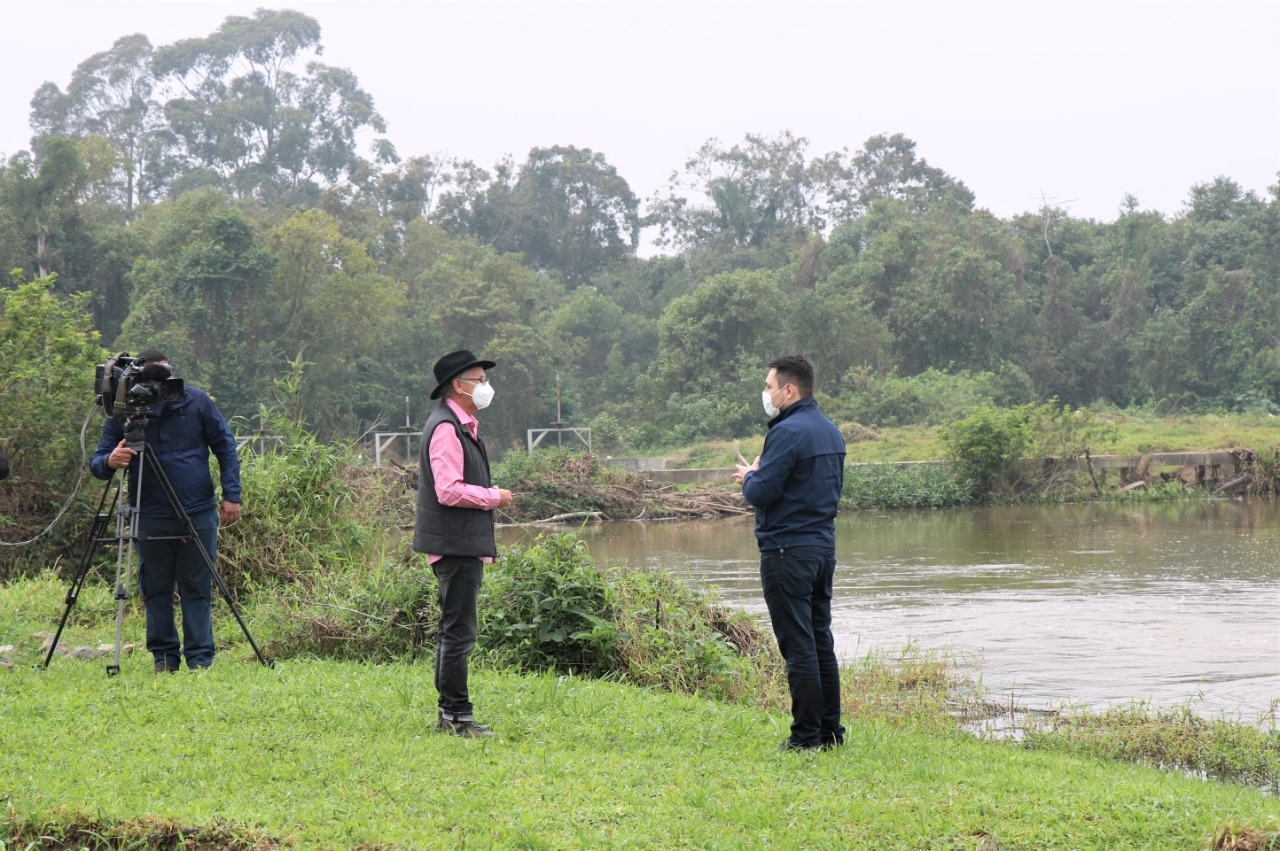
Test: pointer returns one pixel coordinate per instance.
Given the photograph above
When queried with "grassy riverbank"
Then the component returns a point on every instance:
(1134, 434)
(323, 753)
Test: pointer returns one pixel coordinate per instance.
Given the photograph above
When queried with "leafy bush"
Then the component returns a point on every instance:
(989, 446)
(547, 606)
(682, 640)
(49, 349)
(359, 612)
(1005, 452)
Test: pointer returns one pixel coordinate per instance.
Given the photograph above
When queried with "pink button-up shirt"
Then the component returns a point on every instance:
(445, 454)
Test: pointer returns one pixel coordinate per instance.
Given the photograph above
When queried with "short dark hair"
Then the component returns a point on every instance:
(794, 369)
(151, 355)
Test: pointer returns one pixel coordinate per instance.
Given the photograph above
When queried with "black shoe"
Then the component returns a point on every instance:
(467, 729)
(166, 668)
(830, 742)
(790, 745)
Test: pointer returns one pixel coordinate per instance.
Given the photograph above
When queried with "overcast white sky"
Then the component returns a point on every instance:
(1076, 102)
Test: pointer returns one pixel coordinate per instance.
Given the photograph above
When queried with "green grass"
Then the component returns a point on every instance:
(341, 754)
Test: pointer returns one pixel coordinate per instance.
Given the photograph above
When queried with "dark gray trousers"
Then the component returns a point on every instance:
(459, 578)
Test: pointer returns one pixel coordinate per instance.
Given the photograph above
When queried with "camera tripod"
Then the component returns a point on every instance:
(126, 536)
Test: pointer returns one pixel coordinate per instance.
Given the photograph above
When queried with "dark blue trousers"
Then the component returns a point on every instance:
(169, 558)
(797, 590)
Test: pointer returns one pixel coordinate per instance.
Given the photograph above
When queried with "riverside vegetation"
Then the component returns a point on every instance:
(631, 711)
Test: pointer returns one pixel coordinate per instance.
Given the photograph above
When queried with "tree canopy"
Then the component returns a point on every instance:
(233, 200)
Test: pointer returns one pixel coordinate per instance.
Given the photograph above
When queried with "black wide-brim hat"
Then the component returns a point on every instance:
(454, 364)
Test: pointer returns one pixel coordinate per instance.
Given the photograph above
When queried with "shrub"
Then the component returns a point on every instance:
(683, 640)
(988, 447)
(49, 349)
(547, 606)
(378, 612)
(1005, 452)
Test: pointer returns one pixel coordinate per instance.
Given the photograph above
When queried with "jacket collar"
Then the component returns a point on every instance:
(799, 404)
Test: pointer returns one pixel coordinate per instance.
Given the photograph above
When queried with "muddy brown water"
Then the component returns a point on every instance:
(1097, 605)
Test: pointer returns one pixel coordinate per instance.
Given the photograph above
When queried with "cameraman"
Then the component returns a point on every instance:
(179, 436)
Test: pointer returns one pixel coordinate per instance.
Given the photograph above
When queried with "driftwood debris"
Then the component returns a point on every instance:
(573, 515)
(1235, 484)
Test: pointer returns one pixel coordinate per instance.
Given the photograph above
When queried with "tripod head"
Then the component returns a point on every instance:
(135, 419)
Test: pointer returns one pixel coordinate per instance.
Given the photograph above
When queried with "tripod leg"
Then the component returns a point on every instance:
(124, 558)
(174, 503)
(97, 529)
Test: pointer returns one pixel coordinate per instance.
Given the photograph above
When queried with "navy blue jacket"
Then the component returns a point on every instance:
(180, 435)
(796, 491)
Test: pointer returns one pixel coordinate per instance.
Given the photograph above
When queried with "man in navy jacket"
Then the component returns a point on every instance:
(179, 437)
(795, 486)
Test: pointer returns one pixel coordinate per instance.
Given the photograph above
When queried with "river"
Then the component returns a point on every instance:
(1100, 604)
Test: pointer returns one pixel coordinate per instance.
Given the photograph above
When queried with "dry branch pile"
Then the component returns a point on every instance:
(579, 488)
(583, 489)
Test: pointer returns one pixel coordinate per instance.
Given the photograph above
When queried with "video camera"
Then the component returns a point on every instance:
(124, 384)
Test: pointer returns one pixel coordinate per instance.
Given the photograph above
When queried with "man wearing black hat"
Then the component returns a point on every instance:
(454, 525)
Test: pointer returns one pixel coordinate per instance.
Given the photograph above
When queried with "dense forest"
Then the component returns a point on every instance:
(234, 201)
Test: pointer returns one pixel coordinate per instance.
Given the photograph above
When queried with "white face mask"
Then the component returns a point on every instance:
(482, 396)
(769, 408)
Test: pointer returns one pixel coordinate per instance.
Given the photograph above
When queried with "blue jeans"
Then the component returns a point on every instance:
(459, 578)
(171, 559)
(797, 590)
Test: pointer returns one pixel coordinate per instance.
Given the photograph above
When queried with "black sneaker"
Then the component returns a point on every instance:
(467, 729)
(166, 668)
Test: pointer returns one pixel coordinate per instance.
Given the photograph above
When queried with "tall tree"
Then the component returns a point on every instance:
(703, 333)
(887, 167)
(111, 96)
(747, 193)
(566, 210)
(247, 118)
(330, 307)
(572, 212)
(600, 349)
(45, 200)
(473, 297)
(198, 295)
